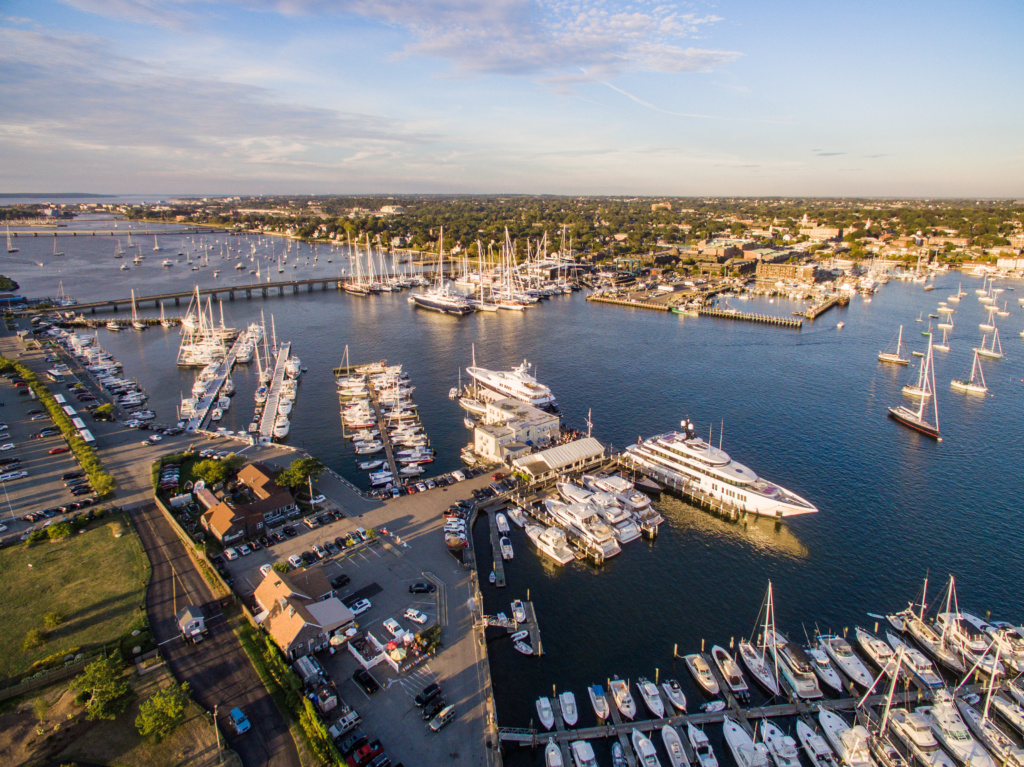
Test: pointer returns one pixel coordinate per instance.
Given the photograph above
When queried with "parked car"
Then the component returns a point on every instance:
(239, 721)
(427, 694)
(415, 616)
(365, 680)
(265, 570)
(393, 627)
(230, 555)
(443, 719)
(341, 581)
(360, 607)
(433, 708)
(295, 560)
(317, 500)
(422, 587)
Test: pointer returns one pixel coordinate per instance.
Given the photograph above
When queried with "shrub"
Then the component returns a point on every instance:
(53, 620)
(37, 535)
(59, 530)
(33, 639)
(162, 713)
(281, 567)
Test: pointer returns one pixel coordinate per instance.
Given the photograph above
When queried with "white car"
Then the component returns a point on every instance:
(265, 570)
(3, 528)
(360, 607)
(13, 475)
(230, 555)
(318, 500)
(458, 476)
(295, 560)
(393, 628)
(415, 616)
(244, 550)
(6, 447)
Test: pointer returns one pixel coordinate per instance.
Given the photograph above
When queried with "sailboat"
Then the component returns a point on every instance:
(56, 250)
(156, 245)
(995, 351)
(944, 346)
(895, 357)
(136, 322)
(164, 322)
(915, 419)
(10, 247)
(972, 386)
(959, 292)
(920, 389)
(765, 672)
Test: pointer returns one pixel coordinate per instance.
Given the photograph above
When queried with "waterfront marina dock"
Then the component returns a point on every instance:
(385, 437)
(534, 628)
(498, 564)
(201, 410)
(814, 311)
(269, 416)
(764, 319)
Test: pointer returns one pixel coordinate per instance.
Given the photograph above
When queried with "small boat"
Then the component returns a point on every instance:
(731, 672)
(598, 701)
(646, 754)
(623, 698)
(713, 706)
(502, 522)
(519, 611)
(744, 750)
(370, 465)
(701, 746)
(674, 747)
(675, 694)
(618, 755)
(781, 747)
(840, 325)
(583, 754)
(567, 702)
(817, 750)
(547, 716)
(492, 577)
(517, 516)
(649, 693)
(850, 743)
(701, 672)
(823, 668)
(519, 636)
(506, 548)
(1009, 710)
(524, 648)
(217, 414)
(552, 754)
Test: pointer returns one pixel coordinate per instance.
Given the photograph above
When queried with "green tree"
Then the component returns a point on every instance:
(300, 471)
(211, 472)
(59, 530)
(281, 567)
(162, 713)
(103, 686)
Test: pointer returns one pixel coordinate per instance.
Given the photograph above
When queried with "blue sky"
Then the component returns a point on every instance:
(536, 96)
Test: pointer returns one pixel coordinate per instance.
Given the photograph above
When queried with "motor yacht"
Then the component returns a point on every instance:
(915, 732)
(690, 463)
(551, 541)
(1010, 710)
(646, 754)
(598, 701)
(759, 664)
(701, 672)
(674, 747)
(915, 660)
(517, 384)
(552, 754)
(585, 522)
(952, 733)
(621, 489)
(878, 652)
(781, 747)
(583, 754)
(649, 694)
(567, 702)
(544, 712)
(823, 668)
(675, 694)
(744, 750)
(623, 698)
(797, 668)
(841, 653)
(1009, 640)
(731, 673)
(988, 733)
(850, 743)
(815, 746)
(969, 637)
(701, 746)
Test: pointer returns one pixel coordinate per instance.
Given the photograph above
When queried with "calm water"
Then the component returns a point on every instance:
(803, 408)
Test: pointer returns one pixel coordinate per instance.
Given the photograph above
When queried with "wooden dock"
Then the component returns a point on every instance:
(534, 628)
(618, 728)
(99, 322)
(269, 415)
(498, 564)
(630, 302)
(204, 407)
(563, 743)
(764, 319)
(816, 310)
(389, 450)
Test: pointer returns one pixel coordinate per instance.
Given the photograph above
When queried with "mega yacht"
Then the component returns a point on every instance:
(550, 540)
(690, 464)
(517, 384)
(585, 522)
(952, 733)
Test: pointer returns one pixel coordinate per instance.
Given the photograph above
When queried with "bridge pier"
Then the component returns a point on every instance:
(248, 292)
(264, 292)
(177, 301)
(231, 295)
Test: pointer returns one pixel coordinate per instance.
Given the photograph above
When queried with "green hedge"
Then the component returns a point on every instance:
(102, 481)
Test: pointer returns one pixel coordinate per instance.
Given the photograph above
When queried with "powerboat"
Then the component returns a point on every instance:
(797, 669)
(817, 750)
(506, 548)
(618, 755)
(646, 754)
(675, 694)
(551, 541)
(583, 754)
(567, 702)
(519, 611)
(878, 652)
(850, 743)
(547, 716)
(502, 523)
(744, 750)
(1011, 711)
(623, 698)
(701, 746)
(915, 732)
(584, 521)
(781, 747)
(649, 693)
(701, 672)
(988, 733)
(621, 489)
(842, 655)
(915, 660)
(952, 733)
(598, 701)
(731, 673)
(674, 747)
(757, 665)
(516, 384)
(823, 668)
(552, 754)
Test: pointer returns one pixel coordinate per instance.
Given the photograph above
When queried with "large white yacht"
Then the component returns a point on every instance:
(622, 523)
(690, 464)
(584, 521)
(952, 733)
(518, 384)
(551, 541)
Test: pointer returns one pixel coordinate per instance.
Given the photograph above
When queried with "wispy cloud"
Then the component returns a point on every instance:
(820, 153)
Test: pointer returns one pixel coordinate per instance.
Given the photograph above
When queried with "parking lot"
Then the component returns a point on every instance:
(413, 551)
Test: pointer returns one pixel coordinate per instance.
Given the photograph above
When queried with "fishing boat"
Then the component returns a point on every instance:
(502, 523)
(649, 693)
(915, 660)
(567, 702)
(781, 747)
(731, 672)
(623, 698)
(744, 750)
(506, 548)
(583, 754)
(646, 754)
(895, 357)
(915, 418)
(547, 716)
(519, 611)
(674, 747)
(552, 754)
(817, 750)
(701, 672)
(842, 655)
(701, 746)
(675, 694)
(850, 743)
(598, 701)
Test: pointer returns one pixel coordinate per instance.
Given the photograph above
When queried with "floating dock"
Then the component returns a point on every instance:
(269, 416)
(534, 628)
(764, 319)
(202, 409)
(498, 563)
(630, 302)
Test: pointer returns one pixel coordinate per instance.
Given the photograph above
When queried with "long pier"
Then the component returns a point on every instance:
(120, 232)
(99, 322)
(389, 450)
(816, 310)
(202, 408)
(269, 416)
(630, 302)
(764, 319)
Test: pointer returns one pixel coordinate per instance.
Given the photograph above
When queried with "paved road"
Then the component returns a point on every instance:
(217, 668)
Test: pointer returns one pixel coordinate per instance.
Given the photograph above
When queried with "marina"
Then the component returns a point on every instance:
(270, 423)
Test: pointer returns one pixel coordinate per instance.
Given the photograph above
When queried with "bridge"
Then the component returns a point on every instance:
(124, 232)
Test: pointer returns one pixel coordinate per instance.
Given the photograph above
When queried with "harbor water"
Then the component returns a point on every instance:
(803, 408)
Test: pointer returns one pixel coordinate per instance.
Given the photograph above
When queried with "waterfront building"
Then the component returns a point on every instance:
(579, 455)
(299, 611)
(510, 428)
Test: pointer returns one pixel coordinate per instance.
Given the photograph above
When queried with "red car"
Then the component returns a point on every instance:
(57, 450)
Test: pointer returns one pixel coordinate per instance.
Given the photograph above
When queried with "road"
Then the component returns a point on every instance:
(217, 668)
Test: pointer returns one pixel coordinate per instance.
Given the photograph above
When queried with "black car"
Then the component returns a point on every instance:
(308, 557)
(72, 475)
(81, 490)
(289, 531)
(422, 587)
(433, 708)
(431, 691)
(341, 581)
(331, 548)
(365, 680)
(356, 740)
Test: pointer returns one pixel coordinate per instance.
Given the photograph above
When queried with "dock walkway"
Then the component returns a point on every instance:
(266, 432)
(618, 728)
(534, 628)
(203, 408)
(498, 563)
(764, 319)
(385, 437)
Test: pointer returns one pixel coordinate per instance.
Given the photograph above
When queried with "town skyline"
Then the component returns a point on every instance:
(590, 98)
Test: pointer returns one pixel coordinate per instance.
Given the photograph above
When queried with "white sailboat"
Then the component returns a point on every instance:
(136, 322)
(994, 350)
(11, 248)
(944, 346)
(896, 357)
(976, 383)
(763, 669)
(56, 250)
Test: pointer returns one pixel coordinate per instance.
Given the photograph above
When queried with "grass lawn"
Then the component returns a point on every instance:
(94, 580)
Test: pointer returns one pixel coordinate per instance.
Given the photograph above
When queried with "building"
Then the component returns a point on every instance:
(254, 500)
(300, 612)
(229, 524)
(548, 464)
(192, 623)
(769, 275)
(510, 428)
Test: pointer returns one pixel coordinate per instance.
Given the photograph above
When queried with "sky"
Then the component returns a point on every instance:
(602, 97)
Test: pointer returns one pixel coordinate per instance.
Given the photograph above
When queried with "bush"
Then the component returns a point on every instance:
(162, 713)
(37, 535)
(53, 620)
(58, 531)
(281, 567)
(33, 639)
(53, 661)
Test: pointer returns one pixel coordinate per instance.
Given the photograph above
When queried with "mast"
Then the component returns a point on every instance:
(899, 343)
